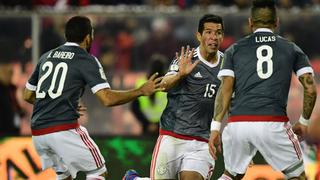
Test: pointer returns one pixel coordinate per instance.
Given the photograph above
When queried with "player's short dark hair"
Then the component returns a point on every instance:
(77, 28)
(209, 18)
(263, 12)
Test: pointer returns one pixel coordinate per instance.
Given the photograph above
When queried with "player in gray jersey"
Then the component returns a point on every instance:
(55, 88)
(191, 82)
(258, 70)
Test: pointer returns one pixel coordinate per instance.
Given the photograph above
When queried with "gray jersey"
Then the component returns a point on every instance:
(59, 80)
(262, 65)
(191, 102)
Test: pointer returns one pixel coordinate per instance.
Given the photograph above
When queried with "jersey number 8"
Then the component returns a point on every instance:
(48, 67)
(264, 58)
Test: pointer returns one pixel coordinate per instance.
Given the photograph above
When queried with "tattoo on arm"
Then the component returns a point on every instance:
(223, 98)
(218, 107)
(310, 94)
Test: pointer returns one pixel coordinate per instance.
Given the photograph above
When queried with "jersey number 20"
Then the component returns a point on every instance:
(264, 58)
(48, 68)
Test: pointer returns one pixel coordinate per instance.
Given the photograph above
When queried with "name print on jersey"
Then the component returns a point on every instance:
(61, 55)
(261, 39)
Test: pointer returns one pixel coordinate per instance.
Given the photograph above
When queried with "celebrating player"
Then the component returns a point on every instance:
(55, 88)
(258, 70)
(182, 146)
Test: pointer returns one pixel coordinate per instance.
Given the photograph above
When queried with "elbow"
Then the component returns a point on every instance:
(108, 103)
(29, 100)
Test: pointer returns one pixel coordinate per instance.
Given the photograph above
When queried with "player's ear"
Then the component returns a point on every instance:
(87, 39)
(198, 35)
(250, 23)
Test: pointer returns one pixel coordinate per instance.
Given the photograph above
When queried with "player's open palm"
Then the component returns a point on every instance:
(152, 85)
(214, 143)
(185, 61)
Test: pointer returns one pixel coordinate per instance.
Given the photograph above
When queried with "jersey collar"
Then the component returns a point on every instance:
(71, 44)
(263, 30)
(205, 61)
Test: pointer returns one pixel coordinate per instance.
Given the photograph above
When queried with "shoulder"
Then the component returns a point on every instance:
(289, 44)
(220, 53)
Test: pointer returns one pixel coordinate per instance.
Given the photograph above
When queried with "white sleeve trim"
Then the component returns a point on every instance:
(98, 87)
(305, 70)
(31, 87)
(171, 73)
(225, 72)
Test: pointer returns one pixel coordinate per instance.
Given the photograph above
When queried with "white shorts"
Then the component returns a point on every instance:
(68, 152)
(172, 155)
(274, 140)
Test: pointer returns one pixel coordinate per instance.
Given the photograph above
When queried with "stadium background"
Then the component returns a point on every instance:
(127, 34)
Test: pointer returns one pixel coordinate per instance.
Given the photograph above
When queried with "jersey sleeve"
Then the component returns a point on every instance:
(33, 80)
(301, 65)
(227, 64)
(173, 67)
(94, 75)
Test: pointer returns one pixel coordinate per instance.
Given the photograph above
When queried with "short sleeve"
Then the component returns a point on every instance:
(33, 80)
(94, 75)
(173, 67)
(227, 64)
(302, 64)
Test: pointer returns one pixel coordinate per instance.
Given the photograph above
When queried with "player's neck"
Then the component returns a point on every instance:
(254, 28)
(210, 57)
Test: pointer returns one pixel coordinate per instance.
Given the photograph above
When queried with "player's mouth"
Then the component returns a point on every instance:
(213, 45)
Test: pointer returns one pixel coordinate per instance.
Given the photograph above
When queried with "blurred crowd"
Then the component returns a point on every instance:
(125, 46)
(180, 4)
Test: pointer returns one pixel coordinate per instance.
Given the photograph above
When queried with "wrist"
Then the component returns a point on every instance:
(215, 125)
(140, 92)
(303, 121)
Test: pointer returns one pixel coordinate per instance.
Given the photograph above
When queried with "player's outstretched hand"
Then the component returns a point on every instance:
(300, 130)
(185, 61)
(152, 85)
(214, 143)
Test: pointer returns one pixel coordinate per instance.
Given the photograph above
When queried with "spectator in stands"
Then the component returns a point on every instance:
(10, 112)
(148, 110)
(161, 40)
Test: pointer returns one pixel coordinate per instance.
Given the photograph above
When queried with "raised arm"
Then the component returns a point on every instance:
(111, 97)
(185, 66)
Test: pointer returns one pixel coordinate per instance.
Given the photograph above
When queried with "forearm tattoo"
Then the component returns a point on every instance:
(218, 107)
(310, 94)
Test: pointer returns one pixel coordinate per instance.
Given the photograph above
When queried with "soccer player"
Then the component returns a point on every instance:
(191, 82)
(258, 69)
(55, 88)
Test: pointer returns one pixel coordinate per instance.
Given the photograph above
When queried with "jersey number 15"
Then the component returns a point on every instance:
(210, 91)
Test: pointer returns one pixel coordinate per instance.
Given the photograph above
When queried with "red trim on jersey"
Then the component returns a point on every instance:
(52, 129)
(250, 118)
(180, 136)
